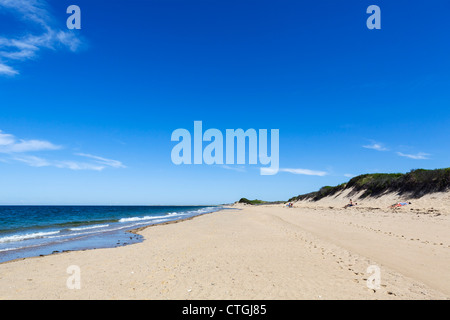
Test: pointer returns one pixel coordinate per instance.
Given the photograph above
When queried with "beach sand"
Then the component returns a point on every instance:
(310, 251)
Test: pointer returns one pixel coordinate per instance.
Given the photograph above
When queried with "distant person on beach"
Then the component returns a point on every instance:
(400, 204)
(350, 204)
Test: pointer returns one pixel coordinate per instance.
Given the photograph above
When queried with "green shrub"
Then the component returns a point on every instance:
(415, 183)
(252, 202)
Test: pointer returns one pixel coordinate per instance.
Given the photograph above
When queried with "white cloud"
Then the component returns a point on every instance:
(6, 139)
(349, 175)
(19, 150)
(271, 171)
(30, 10)
(7, 70)
(103, 161)
(304, 172)
(31, 145)
(10, 144)
(376, 146)
(32, 161)
(26, 46)
(238, 169)
(418, 156)
(74, 165)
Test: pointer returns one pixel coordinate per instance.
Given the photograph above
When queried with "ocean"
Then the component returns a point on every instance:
(28, 231)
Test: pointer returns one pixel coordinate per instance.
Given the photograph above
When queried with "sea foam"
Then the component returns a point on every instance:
(89, 227)
(21, 237)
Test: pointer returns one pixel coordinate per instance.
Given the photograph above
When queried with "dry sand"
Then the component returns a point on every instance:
(310, 251)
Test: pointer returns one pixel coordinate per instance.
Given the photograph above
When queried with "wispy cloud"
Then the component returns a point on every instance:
(376, 146)
(103, 161)
(75, 165)
(7, 70)
(10, 144)
(349, 175)
(19, 150)
(32, 161)
(418, 156)
(304, 172)
(380, 147)
(307, 172)
(238, 169)
(33, 13)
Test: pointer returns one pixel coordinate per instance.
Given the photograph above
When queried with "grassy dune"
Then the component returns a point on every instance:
(415, 184)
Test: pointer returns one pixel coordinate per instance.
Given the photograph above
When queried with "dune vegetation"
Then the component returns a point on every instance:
(415, 184)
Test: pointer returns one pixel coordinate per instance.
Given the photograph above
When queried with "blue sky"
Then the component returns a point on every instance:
(86, 115)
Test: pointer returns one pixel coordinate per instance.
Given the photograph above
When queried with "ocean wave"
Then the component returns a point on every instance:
(203, 210)
(133, 219)
(90, 227)
(21, 237)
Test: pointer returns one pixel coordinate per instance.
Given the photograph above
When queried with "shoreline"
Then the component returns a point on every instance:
(134, 231)
(253, 252)
(137, 230)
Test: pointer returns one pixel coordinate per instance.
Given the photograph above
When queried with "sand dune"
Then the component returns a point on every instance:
(433, 203)
(256, 252)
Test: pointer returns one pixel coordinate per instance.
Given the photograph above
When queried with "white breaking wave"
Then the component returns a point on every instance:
(208, 209)
(90, 227)
(170, 214)
(204, 210)
(21, 237)
(141, 218)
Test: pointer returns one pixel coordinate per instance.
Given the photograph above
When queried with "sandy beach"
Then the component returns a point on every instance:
(256, 252)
